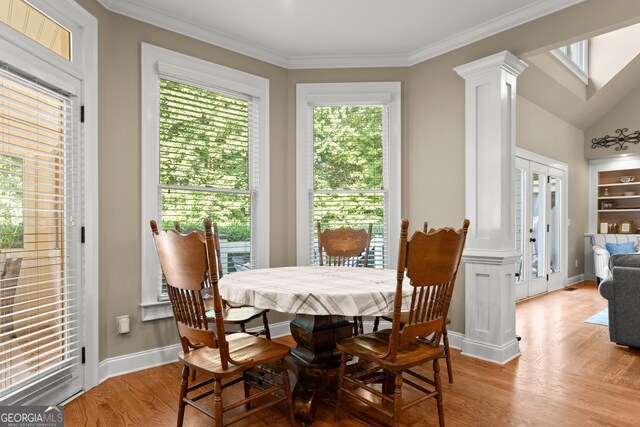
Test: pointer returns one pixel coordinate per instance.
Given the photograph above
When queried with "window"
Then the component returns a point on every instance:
(575, 57)
(348, 164)
(12, 196)
(204, 156)
(26, 19)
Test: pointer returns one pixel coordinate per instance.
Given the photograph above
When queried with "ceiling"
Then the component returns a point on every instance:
(338, 33)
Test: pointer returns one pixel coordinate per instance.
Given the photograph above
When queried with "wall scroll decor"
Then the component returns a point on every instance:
(619, 141)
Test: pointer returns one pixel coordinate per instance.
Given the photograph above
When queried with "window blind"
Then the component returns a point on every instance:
(349, 160)
(208, 165)
(39, 240)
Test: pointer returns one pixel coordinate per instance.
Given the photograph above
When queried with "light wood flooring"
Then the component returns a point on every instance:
(569, 374)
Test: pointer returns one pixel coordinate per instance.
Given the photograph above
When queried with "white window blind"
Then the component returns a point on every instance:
(349, 160)
(39, 240)
(208, 165)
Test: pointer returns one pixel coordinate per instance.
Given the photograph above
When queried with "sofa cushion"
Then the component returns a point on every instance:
(602, 239)
(621, 248)
(624, 260)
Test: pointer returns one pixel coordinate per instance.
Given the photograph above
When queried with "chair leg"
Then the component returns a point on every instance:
(357, 326)
(217, 401)
(397, 399)
(438, 384)
(267, 332)
(343, 368)
(287, 390)
(247, 389)
(184, 383)
(447, 353)
(376, 323)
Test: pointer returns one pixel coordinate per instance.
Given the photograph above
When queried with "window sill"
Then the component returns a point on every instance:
(156, 310)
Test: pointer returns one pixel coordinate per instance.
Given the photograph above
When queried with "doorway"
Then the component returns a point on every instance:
(48, 176)
(540, 225)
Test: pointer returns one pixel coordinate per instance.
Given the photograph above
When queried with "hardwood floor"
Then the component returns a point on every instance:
(569, 374)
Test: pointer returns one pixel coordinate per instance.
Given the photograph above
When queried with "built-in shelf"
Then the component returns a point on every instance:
(614, 207)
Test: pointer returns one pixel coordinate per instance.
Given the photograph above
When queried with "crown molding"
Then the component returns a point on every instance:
(488, 29)
(132, 9)
(347, 61)
(188, 28)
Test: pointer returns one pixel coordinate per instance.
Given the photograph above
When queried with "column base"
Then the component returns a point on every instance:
(490, 352)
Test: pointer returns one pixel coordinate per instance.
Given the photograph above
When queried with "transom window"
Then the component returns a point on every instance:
(26, 19)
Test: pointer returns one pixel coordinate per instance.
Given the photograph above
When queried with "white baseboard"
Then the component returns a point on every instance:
(120, 365)
(577, 279)
(455, 339)
(491, 353)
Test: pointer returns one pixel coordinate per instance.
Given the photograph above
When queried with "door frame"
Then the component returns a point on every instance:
(28, 56)
(555, 168)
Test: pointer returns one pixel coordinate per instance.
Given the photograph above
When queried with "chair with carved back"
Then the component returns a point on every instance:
(237, 314)
(8, 287)
(345, 247)
(430, 262)
(189, 264)
(445, 335)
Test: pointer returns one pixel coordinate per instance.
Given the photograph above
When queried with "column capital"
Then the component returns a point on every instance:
(490, 257)
(504, 60)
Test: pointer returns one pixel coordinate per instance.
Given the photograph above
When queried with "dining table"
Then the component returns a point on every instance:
(322, 298)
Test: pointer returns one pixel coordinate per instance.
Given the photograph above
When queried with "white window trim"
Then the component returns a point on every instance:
(572, 66)
(34, 59)
(154, 60)
(310, 94)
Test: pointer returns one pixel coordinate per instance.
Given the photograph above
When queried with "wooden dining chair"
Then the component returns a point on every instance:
(345, 247)
(8, 287)
(189, 264)
(445, 335)
(430, 262)
(236, 314)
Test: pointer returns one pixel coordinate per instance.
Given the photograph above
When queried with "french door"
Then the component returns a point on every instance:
(40, 221)
(539, 225)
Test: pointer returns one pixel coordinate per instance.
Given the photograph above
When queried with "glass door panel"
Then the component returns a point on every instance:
(554, 226)
(538, 227)
(537, 224)
(520, 178)
(555, 245)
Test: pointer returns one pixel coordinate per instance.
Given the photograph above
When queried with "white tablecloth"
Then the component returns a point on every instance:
(347, 291)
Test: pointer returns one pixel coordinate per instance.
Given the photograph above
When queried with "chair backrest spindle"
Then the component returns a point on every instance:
(190, 263)
(430, 260)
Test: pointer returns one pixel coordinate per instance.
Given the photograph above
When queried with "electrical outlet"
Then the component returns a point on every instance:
(124, 326)
(576, 263)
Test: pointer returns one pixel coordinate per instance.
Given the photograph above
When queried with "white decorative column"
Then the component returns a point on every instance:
(490, 255)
